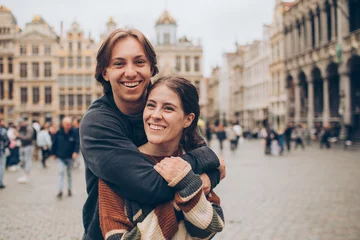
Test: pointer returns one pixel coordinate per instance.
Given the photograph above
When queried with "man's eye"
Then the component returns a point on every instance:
(150, 105)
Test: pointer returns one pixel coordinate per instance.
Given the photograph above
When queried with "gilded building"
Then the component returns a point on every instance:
(35, 71)
(179, 56)
(77, 87)
(322, 63)
(256, 81)
(8, 30)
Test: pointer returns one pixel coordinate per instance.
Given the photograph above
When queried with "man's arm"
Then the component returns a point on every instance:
(112, 156)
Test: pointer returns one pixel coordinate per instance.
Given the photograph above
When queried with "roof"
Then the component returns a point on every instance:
(4, 9)
(288, 5)
(166, 19)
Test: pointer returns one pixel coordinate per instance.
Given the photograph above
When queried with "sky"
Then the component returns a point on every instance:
(218, 23)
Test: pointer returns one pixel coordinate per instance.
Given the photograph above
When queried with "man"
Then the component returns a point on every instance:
(26, 135)
(65, 148)
(238, 131)
(113, 127)
(287, 134)
(4, 142)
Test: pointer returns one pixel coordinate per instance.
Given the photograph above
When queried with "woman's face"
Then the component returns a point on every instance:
(164, 117)
(128, 72)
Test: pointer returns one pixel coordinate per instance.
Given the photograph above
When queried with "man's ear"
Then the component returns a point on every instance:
(189, 119)
(105, 75)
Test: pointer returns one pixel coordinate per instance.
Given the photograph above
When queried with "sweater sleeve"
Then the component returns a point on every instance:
(203, 215)
(111, 155)
(160, 223)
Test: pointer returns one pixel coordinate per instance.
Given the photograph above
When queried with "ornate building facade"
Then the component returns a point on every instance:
(257, 79)
(213, 95)
(179, 56)
(322, 63)
(8, 31)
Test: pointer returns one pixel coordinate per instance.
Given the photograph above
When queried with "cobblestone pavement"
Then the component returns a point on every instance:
(304, 195)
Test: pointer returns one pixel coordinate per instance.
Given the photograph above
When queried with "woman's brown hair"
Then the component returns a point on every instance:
(104, 53)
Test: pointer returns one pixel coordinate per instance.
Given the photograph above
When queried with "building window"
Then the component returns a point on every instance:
(10, 65)
(70, 63)
(197, 64)
(35, 50)
(47, 69)
(23, 69)
(47, 50)
(23, 50)
(79, 46)
(11, 89)
(79, 101)
(36, 95)
(70, 46)
(71, 101)
(79, 62)
(1, 65)
(48, 95)
(178, 63)
(88, 62)
(62, 62)
(187, 64)
(35, 69)
(1, 89)
(197, 86)
(23, 95)
(62, 101)
(87, 100)
(166, 38)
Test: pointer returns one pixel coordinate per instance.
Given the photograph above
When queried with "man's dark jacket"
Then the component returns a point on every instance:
(108, 142)
(65, 144)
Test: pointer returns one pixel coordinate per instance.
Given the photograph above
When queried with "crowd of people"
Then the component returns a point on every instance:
(23, 142)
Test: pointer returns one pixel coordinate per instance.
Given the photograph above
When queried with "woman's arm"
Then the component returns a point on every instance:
(160, 223)
(112, 156)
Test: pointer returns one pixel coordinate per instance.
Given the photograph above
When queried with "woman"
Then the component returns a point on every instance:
(112, 129)
(44, 142)
(170, 116)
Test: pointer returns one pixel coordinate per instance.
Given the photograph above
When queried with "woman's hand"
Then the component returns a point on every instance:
(171, 168)
(222, 169)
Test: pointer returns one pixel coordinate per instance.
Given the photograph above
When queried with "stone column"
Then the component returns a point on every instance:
(333, 25)
(309, 34)
(302, 38)
(297, 103)
(345, 83)
(324, 26)
(295, 40)
(326, 113)
(310, 113)
(317, 38)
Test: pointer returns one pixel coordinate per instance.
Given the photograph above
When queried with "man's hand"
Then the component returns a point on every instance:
(206, 183)
(74, 155)
(222, 169)
(171, 168)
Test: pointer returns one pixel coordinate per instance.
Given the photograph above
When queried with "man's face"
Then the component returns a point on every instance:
(66, 124)
(128, 72)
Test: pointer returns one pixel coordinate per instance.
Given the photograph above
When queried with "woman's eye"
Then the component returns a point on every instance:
(119, 64)
(140, 61)
(150, 105)
(169, 109)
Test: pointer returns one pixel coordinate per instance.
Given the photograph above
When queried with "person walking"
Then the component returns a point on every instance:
(65, 148)
(44, 143)
(288, 135)
(238, 131)
(299, 133)
(208, 133)
(221, 135)
(4, 142)
(325, 137)
(232, 136)
(25, 135)
(13, 158)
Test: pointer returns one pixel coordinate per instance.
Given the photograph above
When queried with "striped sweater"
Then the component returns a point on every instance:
(191, 215)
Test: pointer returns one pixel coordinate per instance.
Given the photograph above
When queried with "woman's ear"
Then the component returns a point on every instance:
(189, 119)
(105, 75)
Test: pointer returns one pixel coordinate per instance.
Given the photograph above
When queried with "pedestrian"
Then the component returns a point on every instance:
(281, 134)
(299, 133)
(221, 135)
(44, 143)
(4, 143)
(112, 129)
(288, 135)
(13, 158)
(325, 137)
(208, 133)
(232, 137)
(26, 137)
(37, 151)
(238, 131)
(64, 149)
(348, 139)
